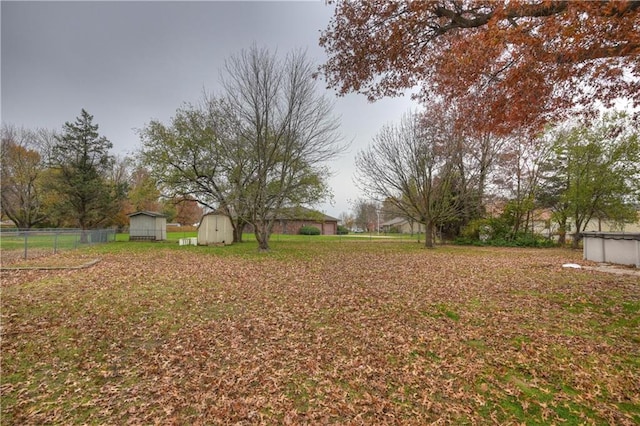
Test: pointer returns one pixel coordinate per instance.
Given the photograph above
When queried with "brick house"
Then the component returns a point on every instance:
(289, 221)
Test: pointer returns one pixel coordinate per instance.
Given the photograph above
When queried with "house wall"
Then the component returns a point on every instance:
(417, 228)
(605, 226)
(550, 228)
(404, 228)
(292, 227)
(289, 227)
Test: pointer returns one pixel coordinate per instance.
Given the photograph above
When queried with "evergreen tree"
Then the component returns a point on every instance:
(82, 159)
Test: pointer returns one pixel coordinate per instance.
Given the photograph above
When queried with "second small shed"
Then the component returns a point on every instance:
(145, 225)
(215, 229)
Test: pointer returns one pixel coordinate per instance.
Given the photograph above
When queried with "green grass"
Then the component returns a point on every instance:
(328, 331)
(36, 244)
(61, 242)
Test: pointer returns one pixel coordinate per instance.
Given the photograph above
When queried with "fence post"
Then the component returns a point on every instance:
(26, 234)
(55, 243)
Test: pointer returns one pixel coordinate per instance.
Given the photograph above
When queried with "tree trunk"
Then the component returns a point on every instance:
(577, 237)
(562, 236)
(262, 235)
(428, 235)
(237, 235)
(238, 229)
(562, 230)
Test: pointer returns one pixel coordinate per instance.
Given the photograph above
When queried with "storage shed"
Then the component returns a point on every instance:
(146, 225)
(215, 229)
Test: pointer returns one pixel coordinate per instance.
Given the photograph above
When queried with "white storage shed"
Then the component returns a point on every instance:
(146, 225)
(215, 229)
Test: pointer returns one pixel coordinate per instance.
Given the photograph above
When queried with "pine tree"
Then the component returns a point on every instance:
(81, 157)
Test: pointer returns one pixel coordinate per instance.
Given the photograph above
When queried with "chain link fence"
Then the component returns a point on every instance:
(18, 244)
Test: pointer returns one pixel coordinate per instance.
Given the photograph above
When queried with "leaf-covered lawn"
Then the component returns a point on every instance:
(342, 332)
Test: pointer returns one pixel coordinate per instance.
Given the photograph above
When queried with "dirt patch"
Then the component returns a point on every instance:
(614, 269)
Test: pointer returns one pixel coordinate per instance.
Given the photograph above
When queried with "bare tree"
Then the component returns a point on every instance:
(347, 220)
(119, 178)
(474, 152)
(518, 176)
(254, 150)
(286, 130)
(409, 165)
(366, 214)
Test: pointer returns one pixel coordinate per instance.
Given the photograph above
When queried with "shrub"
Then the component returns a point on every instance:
(342, 230)
(309, 230)
(519, 240)
(487, 229)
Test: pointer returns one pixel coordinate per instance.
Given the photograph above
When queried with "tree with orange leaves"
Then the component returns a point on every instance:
(527, 61)
(188, 211)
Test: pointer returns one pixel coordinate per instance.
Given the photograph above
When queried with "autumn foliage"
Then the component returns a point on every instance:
(188, 211)
(524, 62)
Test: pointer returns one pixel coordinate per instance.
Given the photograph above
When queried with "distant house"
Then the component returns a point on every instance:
(290, 220)
(542, 223)
(598, 225)
(7, 224)
(402, 225)
(215, 229)
(146, 225)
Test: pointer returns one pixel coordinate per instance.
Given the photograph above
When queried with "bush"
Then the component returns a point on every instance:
(309, 230)
(342, 230)
(520, 240)
(487, 229)
(497, 232)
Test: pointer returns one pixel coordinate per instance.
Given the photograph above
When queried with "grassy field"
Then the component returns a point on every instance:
(16, 246)
(39, 243)
(339, 331)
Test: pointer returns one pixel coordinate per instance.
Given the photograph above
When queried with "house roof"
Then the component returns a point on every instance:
(147, 213)
(303, 213)
(294, 213)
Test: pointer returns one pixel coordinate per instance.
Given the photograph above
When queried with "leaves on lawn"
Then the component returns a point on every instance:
(355, 333)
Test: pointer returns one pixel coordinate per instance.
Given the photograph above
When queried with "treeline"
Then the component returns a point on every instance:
(250, 152)
(71, 179)
(432, 168)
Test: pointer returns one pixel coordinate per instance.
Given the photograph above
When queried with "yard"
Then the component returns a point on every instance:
(338, 331)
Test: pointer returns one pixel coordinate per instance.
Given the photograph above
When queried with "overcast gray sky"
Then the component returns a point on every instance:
(129, 62)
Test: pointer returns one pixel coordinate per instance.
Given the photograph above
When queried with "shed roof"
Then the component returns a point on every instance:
(147, 213)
